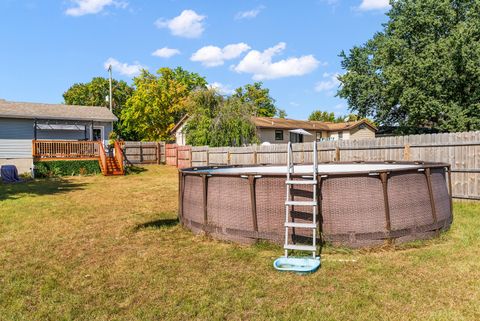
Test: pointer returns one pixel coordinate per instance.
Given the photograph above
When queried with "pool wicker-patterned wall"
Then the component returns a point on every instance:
(359, 209)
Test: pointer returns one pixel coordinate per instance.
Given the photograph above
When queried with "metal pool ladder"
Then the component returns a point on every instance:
(289, 203)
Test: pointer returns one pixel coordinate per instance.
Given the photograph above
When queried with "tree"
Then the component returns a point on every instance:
(422, 71)
(93, 93)
(319, 115)
(159, 102)
(202, 108)
(281, 113)
(233, 124)
(218, 121)
(259, 97)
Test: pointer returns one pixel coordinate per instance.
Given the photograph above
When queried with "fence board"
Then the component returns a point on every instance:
(144, 152)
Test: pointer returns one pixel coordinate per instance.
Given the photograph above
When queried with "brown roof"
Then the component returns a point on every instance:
(10, 109)
(349, 125)
(180, 123)
(285, 123)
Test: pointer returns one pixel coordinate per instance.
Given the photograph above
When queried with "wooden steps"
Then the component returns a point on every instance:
(112, 168)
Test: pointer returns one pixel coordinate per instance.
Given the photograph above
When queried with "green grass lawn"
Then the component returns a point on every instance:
(110, 248)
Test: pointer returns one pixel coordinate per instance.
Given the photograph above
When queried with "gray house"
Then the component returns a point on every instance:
(22, 123)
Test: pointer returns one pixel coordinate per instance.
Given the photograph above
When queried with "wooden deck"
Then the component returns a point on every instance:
(55, 150)
(60, 150)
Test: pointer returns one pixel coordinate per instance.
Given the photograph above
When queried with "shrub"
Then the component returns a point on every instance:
(66, 168)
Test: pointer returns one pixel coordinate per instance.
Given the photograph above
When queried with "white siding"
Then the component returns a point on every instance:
(363, 133)
(180, 137)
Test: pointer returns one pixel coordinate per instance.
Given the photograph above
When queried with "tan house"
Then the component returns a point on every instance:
(277, 130)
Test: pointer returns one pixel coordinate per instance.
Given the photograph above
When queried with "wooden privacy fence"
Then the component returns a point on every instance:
(461, 150)
(144, 152)
(179, 156)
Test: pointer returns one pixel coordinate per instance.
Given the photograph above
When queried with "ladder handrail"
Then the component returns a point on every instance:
(289, 202)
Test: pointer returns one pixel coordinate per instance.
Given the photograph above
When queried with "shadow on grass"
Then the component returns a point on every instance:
(162, 223)
(37, 188)
(135, 169)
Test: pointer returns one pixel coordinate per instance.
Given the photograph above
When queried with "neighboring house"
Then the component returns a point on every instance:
(276, 130)
(21, 123)
(178, 131)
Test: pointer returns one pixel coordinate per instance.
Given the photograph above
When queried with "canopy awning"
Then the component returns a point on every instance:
(300, 132)
(60, 127)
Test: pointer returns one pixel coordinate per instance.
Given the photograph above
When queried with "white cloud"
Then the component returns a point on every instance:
(331, 82)
(165, 52)
(374, 5)
(261, 66)
(188, 24)
(124, 68)
(221, 88)
(83, 7)
(211, 56)
(250, 14)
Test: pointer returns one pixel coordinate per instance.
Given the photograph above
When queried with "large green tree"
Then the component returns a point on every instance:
(326, 116)
(94, 93)
(159, 101)
(218, 121)
(260, 98)
(319, 115)
(233, 124)
(422, 71)
(202, 108)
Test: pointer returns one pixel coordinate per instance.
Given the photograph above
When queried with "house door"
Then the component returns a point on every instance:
(97, 133)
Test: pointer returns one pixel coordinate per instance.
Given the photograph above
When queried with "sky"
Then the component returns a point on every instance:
(291, 46)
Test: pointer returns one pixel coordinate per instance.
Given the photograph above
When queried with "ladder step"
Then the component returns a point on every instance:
(300, 225)
(304, 182)
(300, 247)
(301, 203)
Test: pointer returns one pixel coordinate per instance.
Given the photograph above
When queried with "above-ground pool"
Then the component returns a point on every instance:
(360, 204)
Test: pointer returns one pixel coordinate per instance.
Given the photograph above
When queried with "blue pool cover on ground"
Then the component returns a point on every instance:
(9, 174)
(297, 264)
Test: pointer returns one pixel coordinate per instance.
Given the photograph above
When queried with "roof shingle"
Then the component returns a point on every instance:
(10, 109)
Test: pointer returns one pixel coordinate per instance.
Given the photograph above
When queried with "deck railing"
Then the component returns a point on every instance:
(103, 159)
(57, 149)
(119, 155)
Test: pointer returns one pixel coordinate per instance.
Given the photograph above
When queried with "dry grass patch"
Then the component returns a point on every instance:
(110, 248)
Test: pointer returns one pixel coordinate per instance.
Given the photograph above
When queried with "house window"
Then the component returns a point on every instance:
(278, 134)
(296, 138)
(319, 136)
(340, 135)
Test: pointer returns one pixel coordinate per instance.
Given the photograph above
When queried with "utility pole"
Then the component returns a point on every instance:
(110, 100)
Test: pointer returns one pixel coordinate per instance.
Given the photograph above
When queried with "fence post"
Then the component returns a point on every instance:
(141, 153)
(208, 157)
(159, 153)
(255, 156)
(337, 154)
(228, 156)
(176, 156)
(406, 152)
(190, 156)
